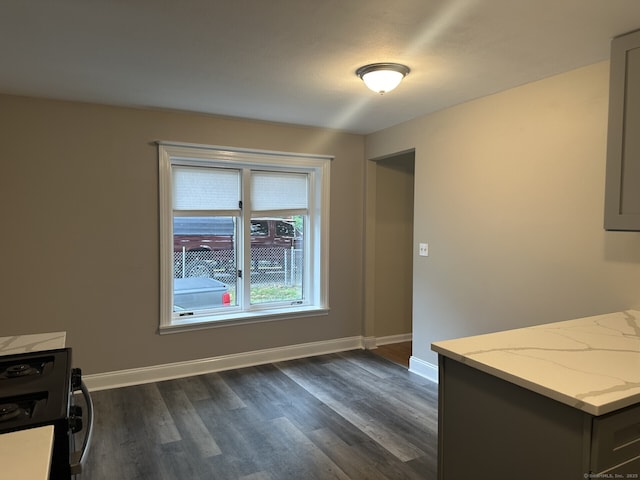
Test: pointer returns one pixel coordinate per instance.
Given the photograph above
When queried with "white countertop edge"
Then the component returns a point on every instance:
(596, 410)
(616, 332)
(32, 343)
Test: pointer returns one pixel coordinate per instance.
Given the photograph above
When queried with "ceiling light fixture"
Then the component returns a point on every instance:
(382, 77)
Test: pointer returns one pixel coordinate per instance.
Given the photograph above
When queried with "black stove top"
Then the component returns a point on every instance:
(34, 389)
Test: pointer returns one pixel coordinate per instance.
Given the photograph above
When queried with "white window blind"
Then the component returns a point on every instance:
(196, 188)
(278, 191)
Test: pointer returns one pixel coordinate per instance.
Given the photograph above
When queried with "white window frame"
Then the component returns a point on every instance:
(316, 238)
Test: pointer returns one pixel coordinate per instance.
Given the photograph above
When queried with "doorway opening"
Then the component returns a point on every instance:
(389, 250)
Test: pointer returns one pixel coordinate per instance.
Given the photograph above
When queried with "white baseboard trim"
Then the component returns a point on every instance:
(404, 337)
(137, 376)
(424, 369)
(369, 343)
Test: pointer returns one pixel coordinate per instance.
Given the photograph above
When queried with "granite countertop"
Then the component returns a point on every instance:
(590, 363)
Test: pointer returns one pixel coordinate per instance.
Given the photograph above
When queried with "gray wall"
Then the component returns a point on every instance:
(509, 196)
(79, 243)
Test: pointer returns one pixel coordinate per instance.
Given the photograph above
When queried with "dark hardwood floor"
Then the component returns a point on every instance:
(351, 415)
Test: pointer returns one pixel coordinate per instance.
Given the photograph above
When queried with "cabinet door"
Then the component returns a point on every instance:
(622, 197)
(616, 441)
(627, 470)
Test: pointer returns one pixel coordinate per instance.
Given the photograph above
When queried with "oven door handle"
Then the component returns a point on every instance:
(80, 458)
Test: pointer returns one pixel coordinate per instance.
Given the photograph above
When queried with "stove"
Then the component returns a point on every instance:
(36, 389)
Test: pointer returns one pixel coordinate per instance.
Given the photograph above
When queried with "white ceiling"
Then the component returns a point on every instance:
(294, 61)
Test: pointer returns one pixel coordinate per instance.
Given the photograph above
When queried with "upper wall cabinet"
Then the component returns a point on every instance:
(622, 193)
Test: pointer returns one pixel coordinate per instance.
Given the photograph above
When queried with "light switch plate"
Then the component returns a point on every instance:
(424, 250)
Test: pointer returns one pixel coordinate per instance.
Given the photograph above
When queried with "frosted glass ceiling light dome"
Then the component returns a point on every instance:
(382, 77)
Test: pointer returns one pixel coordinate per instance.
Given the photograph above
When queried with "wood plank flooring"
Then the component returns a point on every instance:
(350, 415)
(396, 352)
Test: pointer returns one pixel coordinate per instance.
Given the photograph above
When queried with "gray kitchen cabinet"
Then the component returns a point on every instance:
(615, 446)
(492, 428)
(622, 189)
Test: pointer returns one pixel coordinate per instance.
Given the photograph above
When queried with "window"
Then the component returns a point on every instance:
(243, 235)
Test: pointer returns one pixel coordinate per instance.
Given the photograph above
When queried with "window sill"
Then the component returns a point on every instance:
(235, 319)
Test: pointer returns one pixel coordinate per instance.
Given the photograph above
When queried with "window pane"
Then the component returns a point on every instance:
(278, 190)
(196, 188)
(277, 259)
(204, 263)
